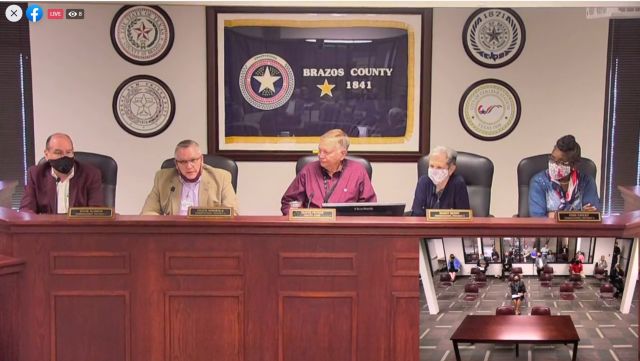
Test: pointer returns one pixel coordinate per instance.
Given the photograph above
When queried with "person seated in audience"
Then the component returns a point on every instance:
(551, 257)
(453, 267)
(580, 256)
(617, 279)
(495, 256)
(507, 264)
(190, 183)
(562, 187)
(534, 254)
(518, 290)
(330, 179)
(482, 265)
(61, 182)
(576, 268)
(603, 264)
(441, 188)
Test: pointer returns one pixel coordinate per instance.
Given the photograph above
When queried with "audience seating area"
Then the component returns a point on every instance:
(605, 333)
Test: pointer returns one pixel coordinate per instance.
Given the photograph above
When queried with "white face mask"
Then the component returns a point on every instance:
(557, 171)
(437, 176)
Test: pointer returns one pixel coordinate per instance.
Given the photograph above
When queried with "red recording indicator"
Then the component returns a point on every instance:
(55, 14)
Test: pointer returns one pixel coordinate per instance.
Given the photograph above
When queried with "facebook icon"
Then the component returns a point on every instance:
(34, 13)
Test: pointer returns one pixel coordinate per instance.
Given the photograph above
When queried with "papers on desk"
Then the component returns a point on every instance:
(518, 295)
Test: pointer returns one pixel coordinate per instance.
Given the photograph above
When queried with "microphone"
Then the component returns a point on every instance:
(309, 200)
(166, 209)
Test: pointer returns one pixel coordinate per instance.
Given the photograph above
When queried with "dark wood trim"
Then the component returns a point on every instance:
(424, 109)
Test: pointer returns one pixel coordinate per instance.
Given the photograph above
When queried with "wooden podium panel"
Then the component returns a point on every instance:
(250, 288)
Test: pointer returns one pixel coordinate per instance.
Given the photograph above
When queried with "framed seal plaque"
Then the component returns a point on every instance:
(144, 106)
(489, 109)
(493, 38)
(142, 35)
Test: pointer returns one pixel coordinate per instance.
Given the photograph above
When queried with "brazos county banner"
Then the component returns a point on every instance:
(285, 79)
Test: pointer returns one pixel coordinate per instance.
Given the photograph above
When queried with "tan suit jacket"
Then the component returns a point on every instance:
(215, 190)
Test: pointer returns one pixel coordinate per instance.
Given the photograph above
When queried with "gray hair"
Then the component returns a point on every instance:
(339, 135)
(186, 144)
(451, 154)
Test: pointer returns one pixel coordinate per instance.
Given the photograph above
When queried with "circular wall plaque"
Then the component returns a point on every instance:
(266, 81)
(489, 109)
(142, 35)
(144, 106)
(493, 38)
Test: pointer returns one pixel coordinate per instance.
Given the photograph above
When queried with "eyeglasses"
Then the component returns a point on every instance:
(558, 162)
(193, 161)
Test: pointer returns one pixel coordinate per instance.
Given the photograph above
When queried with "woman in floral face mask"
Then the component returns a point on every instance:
(561, 187)
(441, 188)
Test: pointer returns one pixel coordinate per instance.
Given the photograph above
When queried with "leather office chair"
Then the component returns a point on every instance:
(480, 279)
(445, 280)
(540, 311)
(505, 311)
(576, 280)
(516, 270)
(528, 167)
(108, 168)
(215, 161)
(477, 172)
(303, 161)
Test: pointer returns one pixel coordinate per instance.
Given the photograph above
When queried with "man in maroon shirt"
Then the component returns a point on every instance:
(331, 179)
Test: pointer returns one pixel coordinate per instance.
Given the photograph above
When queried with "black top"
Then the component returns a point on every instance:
(453, 196)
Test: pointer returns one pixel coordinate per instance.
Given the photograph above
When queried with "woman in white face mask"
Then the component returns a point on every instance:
(561, 187)
(441, 188)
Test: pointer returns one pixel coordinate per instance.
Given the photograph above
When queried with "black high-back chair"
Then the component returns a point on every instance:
(302, 161)
(216, 161)
(477, 172)
(528, 167)
(109, 170)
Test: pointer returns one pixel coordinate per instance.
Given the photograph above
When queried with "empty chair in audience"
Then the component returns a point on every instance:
(546, 281)
(540, 311)
(566, 292)
(606, 293)
(505, 311)
(480, 279)
(516, 270)
(471, 292)
(445, 280)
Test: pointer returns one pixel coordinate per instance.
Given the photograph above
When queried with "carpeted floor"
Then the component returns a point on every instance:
(605, 333)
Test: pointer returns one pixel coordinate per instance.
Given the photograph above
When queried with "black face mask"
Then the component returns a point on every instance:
(62, 165)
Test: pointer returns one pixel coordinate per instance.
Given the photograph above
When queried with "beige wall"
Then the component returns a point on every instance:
(560, 77)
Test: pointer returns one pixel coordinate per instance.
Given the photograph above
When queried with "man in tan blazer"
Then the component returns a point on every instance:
(190, 183)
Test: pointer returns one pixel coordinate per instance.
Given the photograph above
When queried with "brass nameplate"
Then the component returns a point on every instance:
(578, 216)
(90, 212)
(312, 214)
(449, 214)
(213, 212)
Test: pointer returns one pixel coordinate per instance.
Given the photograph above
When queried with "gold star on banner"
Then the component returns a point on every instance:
(266, 81)
(326, 88)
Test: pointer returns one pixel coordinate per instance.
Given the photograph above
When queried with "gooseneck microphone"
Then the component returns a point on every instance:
(167, 208)
(310, 198)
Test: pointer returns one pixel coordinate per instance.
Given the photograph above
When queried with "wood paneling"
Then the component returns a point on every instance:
(201, 326)
(89, 263)
(203, 263)
(88, 325)
(317, 264)
(317, 326)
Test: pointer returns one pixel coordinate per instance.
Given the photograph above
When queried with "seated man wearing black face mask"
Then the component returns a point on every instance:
(61, 182)
(562, 187)
(441, 188)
